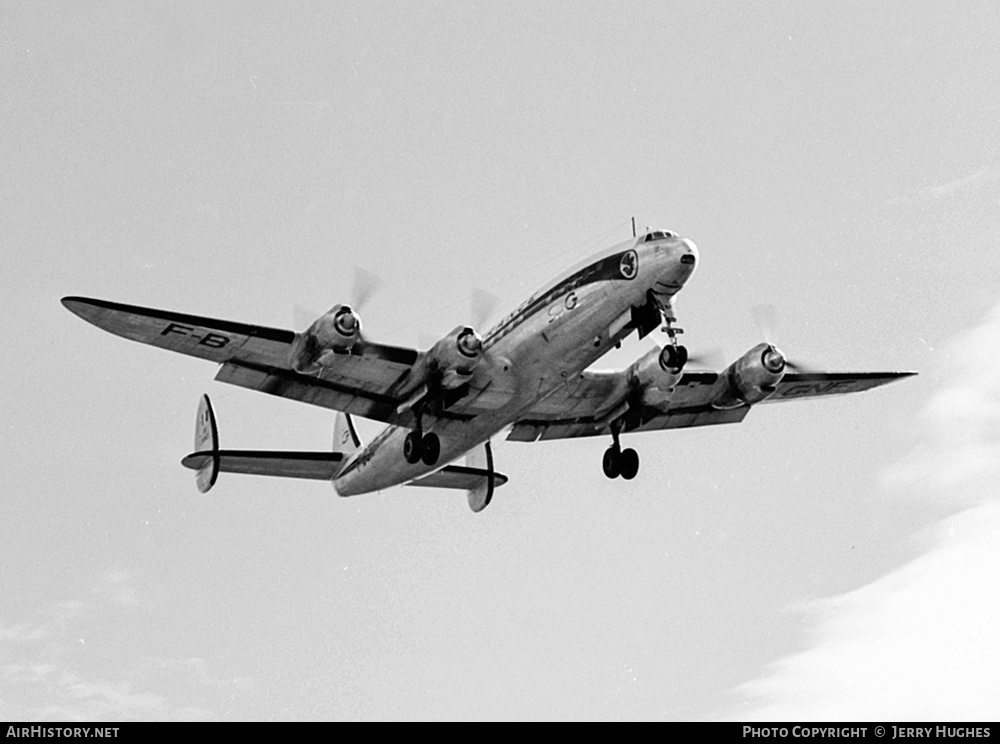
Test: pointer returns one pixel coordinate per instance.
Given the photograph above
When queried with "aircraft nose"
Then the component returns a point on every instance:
(689, 252)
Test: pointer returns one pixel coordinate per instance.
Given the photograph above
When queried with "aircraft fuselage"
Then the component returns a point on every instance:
(549, 339)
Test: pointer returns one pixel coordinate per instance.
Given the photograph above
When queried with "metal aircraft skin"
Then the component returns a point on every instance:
(528, 373)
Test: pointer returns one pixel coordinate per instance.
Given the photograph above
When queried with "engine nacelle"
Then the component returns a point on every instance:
(653, 378)
(457, 355)
(753, 377)
(334, 332)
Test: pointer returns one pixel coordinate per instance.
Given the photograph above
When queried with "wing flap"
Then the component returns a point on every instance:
(309, 465)
(647, 420)
(315, 391)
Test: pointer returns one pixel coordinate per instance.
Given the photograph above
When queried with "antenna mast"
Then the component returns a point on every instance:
(633, 227)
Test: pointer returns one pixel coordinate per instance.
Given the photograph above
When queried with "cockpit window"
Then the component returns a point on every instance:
(660, 234)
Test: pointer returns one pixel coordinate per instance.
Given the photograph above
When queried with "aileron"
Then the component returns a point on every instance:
(797, 385)
(325, 393)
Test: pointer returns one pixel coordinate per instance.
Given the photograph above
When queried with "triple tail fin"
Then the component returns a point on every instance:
(477, 477)
(345, 436)
(206, 440)
(482, 494)
(208, 460)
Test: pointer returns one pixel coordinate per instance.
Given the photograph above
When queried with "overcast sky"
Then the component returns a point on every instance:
(827, 559)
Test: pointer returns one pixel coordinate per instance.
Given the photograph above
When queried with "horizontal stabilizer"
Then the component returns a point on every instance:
(311, 465)
(458, 476)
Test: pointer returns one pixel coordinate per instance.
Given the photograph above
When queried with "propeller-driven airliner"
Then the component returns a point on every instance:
(528, 375)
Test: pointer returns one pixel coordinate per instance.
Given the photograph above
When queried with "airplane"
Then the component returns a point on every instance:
(529, 374)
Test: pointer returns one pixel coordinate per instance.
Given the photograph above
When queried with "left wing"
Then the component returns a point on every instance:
(360, 382)
(586, 407)
(796, 385)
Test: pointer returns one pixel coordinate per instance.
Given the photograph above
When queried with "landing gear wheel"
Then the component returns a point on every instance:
(612, 468)
(432, 448)
(413, 447)
(677, 357)
(628, 463)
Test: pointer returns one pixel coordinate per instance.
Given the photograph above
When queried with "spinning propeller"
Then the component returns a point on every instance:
(365, 285)
(765, 317)
(481, 306)
(714, 358)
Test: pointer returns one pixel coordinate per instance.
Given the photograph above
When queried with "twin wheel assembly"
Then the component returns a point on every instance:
(621, 462)
(617, 462)
(625, 462)
(676, 357)
(417, 447)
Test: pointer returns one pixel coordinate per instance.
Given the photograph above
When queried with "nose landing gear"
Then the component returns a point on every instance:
(676, 357)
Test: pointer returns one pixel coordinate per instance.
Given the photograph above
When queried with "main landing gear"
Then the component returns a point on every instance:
(621, 462)
(618, 461)
(419, 446)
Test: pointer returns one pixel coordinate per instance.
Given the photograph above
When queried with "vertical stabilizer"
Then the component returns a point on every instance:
(206, 439)
(345, 436)
(481, 458)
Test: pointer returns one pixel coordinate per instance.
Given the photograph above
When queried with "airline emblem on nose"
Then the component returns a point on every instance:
(629, 265)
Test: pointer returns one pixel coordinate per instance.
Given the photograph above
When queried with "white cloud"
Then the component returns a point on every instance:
(951, 188)
(958, 459)
(46, 676)
(943, 190)
(117, 586)
(922, 642)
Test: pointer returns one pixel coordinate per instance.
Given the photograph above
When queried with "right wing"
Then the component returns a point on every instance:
(371, 380)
